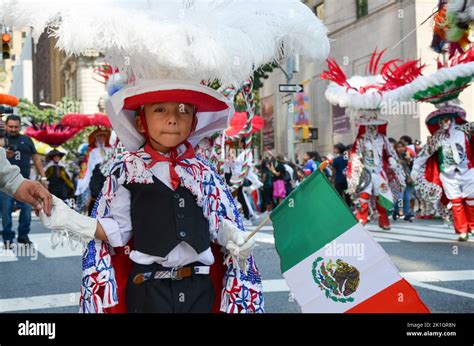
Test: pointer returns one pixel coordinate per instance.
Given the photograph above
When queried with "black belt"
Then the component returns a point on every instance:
(176, 273)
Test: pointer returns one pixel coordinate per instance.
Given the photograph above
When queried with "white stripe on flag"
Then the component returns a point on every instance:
(355, 247)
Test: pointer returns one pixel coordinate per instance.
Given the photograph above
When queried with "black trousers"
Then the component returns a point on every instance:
(194, 294)
(241, 199)
(340, 188)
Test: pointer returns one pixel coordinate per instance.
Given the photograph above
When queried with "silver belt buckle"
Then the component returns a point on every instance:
(174, 274)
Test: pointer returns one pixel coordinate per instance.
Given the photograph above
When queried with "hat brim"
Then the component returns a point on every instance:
(212, 109)
(454, 112)
(55, 153)
(201, 101)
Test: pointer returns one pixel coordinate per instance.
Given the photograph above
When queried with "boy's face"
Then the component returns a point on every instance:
(56, 158)
(101, 138)
(168, 124)
(401, 148)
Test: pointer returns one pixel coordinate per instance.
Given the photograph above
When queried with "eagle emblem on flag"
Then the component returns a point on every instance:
(338, 280)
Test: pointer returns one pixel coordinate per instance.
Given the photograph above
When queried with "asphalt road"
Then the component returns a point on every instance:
(426, 253)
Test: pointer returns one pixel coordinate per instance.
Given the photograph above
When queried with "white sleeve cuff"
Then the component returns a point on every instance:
(115, 237)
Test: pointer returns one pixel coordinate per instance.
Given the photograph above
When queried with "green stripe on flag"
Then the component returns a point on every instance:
(311, 216)
(385, 202)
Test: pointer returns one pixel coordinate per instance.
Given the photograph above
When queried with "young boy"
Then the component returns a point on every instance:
(171, 205)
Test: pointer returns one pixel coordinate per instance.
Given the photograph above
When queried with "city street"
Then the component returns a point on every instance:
(426, 253)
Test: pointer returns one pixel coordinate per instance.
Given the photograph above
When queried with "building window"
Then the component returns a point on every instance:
(362, 8)
(319, 10)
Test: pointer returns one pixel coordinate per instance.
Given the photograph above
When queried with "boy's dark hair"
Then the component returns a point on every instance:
(280, 158)
(13, 117)
(316, 157)
(392, 140)
(341, 147)
(406, 139)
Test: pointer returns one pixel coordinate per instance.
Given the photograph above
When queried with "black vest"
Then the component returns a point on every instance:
(162, 218)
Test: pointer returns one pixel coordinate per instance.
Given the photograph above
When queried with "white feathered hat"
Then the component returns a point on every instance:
(162, 46)
(362, 96)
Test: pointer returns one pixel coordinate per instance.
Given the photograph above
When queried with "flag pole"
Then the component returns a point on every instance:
(322, 166)
(263, 223)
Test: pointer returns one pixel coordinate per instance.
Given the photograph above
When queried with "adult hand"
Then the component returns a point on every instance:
(10, 153)
(34, 194)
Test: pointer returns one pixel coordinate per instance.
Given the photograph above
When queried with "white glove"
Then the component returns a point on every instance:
(392, 162)
(234, 240)
(64, 218)
(414, 174)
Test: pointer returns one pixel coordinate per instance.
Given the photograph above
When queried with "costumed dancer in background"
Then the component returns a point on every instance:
(375, 154)
(229, 164)
(374, 172)
(251, 180)
(98, 151)
(447, 160)
(181, 212)
(443, 169)
(59, 181)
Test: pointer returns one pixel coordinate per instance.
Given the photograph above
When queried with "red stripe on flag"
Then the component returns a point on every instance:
(400, 297)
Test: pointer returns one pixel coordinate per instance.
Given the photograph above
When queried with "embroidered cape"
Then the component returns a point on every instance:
(242, 286)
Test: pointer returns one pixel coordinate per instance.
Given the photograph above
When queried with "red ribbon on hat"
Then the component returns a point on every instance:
(173, 159)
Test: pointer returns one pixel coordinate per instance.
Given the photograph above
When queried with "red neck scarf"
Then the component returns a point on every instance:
(173, 159)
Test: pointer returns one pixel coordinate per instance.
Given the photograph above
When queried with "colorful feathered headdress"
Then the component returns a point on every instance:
(166, 50)
(172, 39)
(362, 96)
(444, 85)
(442, 88)
(452, 24)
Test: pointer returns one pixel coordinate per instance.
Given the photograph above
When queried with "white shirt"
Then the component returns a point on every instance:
(228, 166)
(96, 156)
(454, 152)
(118, 228)
(372, 152)
(453, 148)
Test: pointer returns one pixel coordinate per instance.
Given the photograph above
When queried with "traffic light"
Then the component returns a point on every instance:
(313, 133)
(308, 133)
(6, 38)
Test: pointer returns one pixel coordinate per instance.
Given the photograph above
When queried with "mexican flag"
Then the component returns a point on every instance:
(330, 261)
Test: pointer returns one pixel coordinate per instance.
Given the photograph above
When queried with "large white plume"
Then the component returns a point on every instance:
(172, 39)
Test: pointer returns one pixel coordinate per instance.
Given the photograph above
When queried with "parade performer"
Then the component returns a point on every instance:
(444, 168)
(374, 171)
(97, 152)
(59, 181)
(167, 220)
